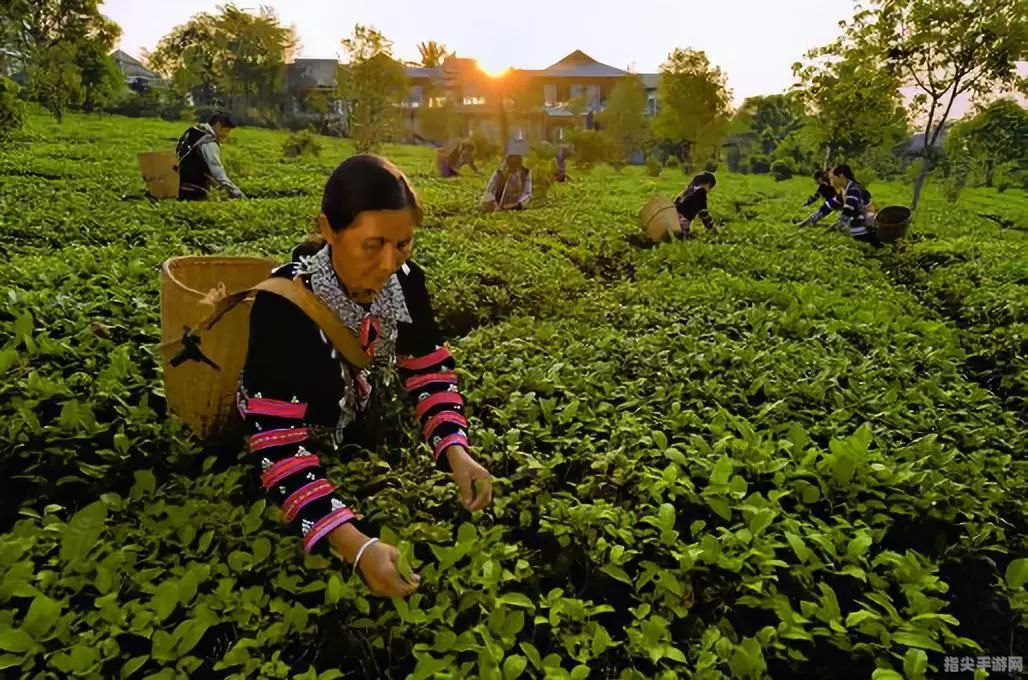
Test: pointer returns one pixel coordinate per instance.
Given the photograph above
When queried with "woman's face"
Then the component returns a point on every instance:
(370, 250)
(838, 181)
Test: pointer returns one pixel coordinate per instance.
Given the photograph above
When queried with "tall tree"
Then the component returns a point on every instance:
(773, 117)
(943, 49)
(54, 79)
(517, 100)
(102, 80)
(624, 118)
(66, 44)
(433, 54)
(997, 134)
(854, 102)
(373, 84)
(234, 58)
(694, 102)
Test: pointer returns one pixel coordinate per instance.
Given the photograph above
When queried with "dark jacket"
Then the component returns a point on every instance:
(295, 387)
(856, 200)
(828, 193)
(692, 203)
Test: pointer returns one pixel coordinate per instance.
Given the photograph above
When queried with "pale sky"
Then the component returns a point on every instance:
(754, 41)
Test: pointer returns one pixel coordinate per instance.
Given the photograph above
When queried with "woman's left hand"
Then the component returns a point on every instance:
(473, 480)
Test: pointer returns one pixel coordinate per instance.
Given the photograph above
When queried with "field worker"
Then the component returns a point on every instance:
(302, 403)
(857, 217)
(199, 159)
(561, 174)
(510, 187)
(450, 159)
(824, 191)
(692, 203)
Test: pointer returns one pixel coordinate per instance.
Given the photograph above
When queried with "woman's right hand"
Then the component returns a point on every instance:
(378, 564)
(378, 569)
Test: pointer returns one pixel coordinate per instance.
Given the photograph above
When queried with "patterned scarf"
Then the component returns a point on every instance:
(376, 324)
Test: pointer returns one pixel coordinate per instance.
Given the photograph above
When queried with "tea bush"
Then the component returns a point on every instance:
(766, 452)
(302, 143)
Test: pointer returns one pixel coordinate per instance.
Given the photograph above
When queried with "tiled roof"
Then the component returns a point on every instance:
(131, 67)
(578, 64)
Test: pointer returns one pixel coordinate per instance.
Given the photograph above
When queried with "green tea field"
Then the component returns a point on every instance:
(765, 452)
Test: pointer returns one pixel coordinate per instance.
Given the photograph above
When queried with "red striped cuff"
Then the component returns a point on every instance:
(436, 399)
(427, 361)
(272, 438)
(460, 439)
(443, 417)
(325, 526)
(422, 380)
(296, 501)
(275, 408)
(285, 467)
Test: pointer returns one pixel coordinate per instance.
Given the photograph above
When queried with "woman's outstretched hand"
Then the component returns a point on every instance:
(378, 568)
(473, 480)
(378, 563)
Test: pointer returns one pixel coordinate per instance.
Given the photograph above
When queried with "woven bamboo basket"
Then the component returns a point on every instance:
(891, 223)
(200, 395)
(659, 218)
(160, 173)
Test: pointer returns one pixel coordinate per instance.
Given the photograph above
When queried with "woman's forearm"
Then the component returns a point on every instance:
(347, 540)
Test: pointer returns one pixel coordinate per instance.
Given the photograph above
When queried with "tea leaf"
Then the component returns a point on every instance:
(41, 617)
(15, 640)
(514, 666)
(83, 531)
(1017, 573)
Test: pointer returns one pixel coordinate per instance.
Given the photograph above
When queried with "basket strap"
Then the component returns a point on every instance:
(342, 338)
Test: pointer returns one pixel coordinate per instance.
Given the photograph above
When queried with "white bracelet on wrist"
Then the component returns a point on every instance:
(360, 553)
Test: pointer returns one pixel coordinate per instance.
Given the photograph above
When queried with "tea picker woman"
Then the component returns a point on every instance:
(857, 216)
(826, 192)
(301, 401)
(510, 186)
(692, 203)
(450, 159)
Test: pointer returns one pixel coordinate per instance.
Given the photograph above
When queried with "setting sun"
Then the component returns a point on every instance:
(493, 71)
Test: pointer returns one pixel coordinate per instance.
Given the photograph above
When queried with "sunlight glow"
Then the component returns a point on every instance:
(493, 71)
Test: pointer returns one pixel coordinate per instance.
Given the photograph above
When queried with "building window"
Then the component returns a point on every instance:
(592, 96)
(417, 95)
(651, 104)
(474, 101)
(437, 102)
(577, 91)
(550, 95)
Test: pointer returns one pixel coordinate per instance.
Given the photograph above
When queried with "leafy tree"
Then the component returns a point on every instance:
(433, 54)
(373, 84)
(12, 111)
(102, 80)
(624, 119)
(55, 81)
(942, 49)
(854, 103)
(997, 134)
(517, 99)
(770, 119)
(234, 58)
(66, 44)
(440, 123)
(694, 101)
(318, 102)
